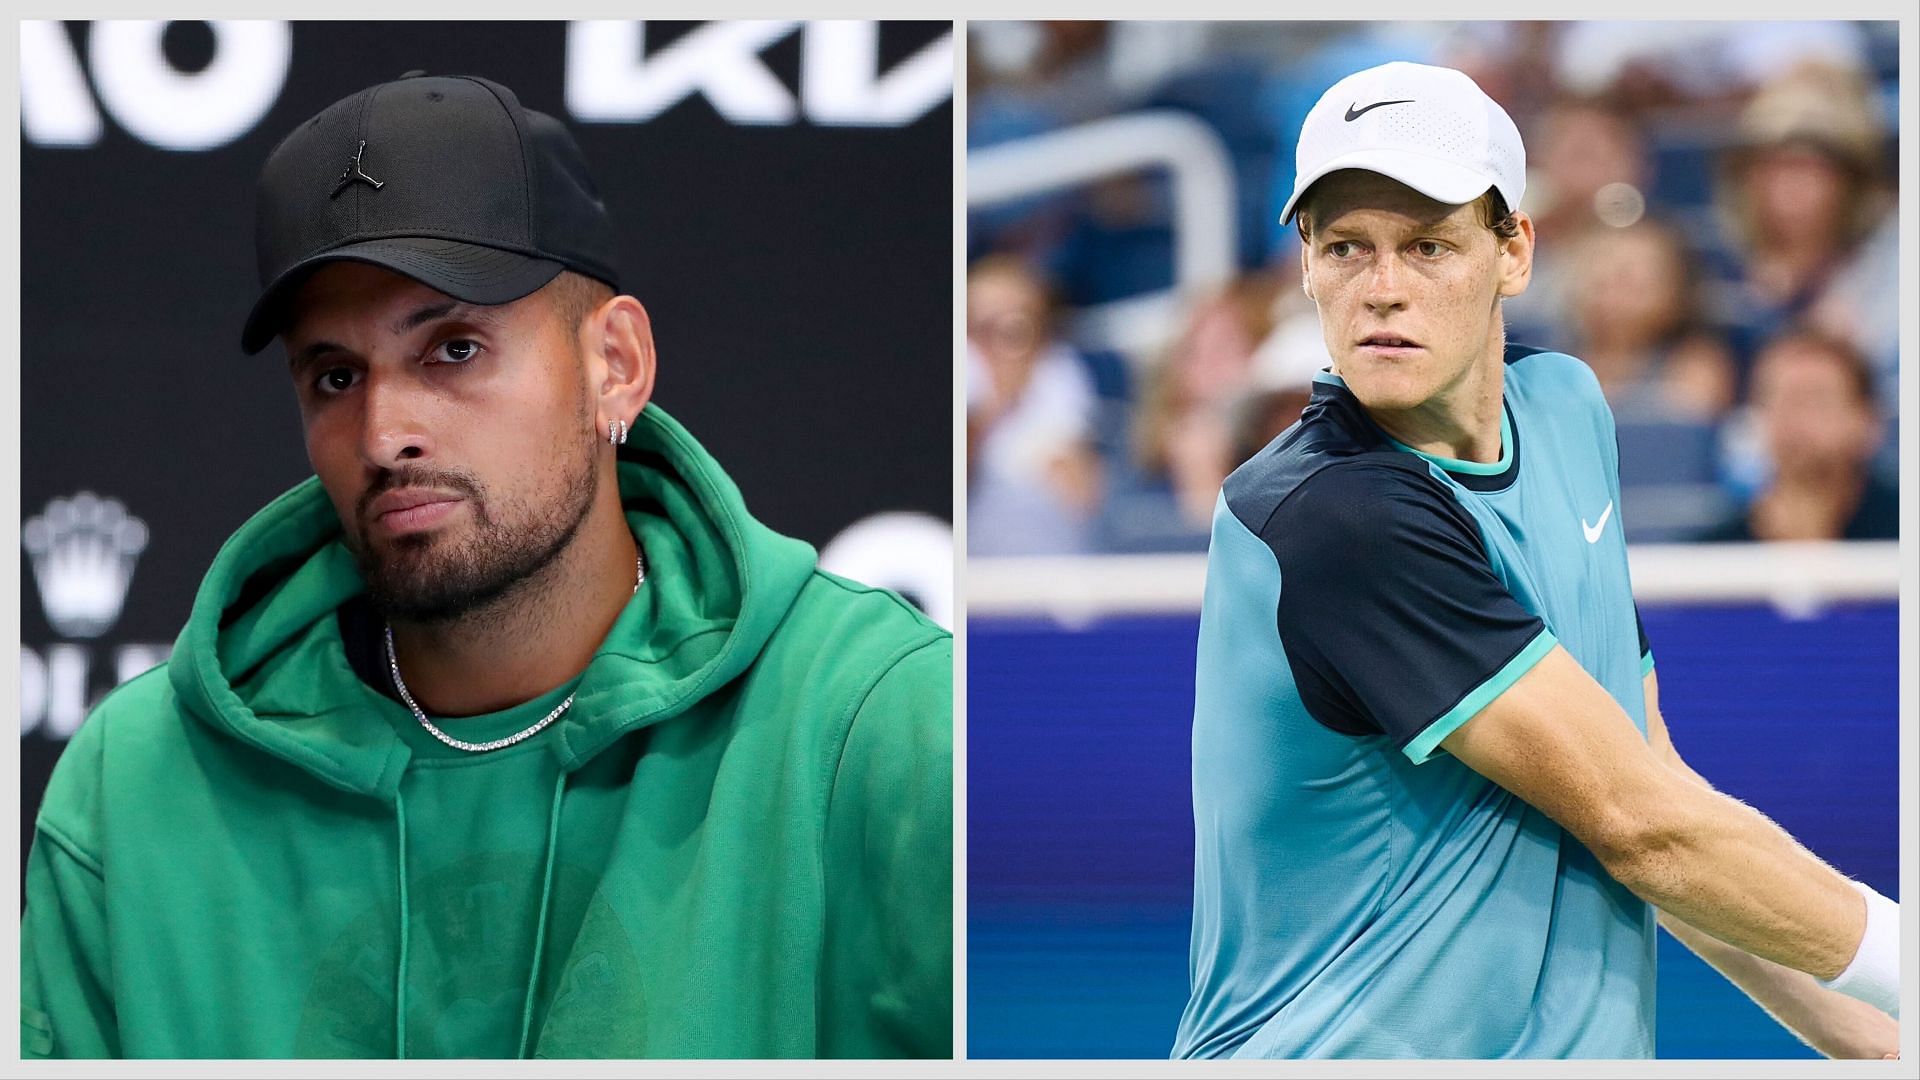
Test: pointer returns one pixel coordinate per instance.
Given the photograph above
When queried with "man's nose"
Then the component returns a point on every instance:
(392, 430)
(1385, 283)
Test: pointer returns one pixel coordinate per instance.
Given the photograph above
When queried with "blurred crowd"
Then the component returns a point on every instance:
(1715, 209)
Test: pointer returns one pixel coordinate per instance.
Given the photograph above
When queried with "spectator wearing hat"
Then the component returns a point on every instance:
(1805, 193)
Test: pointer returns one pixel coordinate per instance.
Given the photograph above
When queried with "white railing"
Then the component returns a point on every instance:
(1202, 201)
(1797, 578)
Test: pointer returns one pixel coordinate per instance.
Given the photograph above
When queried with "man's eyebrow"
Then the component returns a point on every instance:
(419, 317)
(1342, 228)
(310, 352)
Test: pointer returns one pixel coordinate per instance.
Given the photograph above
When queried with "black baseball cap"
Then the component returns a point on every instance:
(448, 180)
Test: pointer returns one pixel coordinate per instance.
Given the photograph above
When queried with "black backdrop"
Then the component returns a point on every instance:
(797, 270)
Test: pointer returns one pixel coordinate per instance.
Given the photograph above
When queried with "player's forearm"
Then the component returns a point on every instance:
(1834, 1024)
(1723, 868)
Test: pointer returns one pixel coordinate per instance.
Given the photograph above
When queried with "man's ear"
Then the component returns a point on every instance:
(617, 341)
(1516, 258)
(1306, 273)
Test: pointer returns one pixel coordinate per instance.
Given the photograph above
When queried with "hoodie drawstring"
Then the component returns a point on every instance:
(546, 897)
(406, 916)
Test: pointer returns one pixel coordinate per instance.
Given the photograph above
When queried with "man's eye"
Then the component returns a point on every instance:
(1430, 248)
(457, 350)
(335, 380)
(1340, 249)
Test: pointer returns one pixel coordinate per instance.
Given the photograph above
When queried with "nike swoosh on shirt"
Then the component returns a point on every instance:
(1593, 531)
(1355, 114)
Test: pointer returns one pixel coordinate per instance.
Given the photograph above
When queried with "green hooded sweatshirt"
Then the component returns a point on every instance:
(735, 843)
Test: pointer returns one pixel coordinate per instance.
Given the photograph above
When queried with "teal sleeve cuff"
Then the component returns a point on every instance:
(1424, 744)
(1646, 664)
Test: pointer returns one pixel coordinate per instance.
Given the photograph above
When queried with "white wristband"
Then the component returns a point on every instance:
(1874, 974)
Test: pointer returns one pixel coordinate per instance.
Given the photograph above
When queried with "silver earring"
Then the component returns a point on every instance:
(617, 432)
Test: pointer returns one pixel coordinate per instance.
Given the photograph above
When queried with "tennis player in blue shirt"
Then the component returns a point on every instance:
(1436, 810)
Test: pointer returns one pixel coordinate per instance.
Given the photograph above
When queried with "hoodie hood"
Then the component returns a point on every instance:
(261, 658)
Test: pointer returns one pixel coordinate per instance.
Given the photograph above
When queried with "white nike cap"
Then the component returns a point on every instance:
(1431, 128)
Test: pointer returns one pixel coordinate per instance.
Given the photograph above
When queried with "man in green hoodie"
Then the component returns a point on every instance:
(510, 733)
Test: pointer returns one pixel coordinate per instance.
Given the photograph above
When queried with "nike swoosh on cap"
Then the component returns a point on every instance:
(1355, 114)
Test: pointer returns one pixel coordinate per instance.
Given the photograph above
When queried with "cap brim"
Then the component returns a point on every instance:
(1441, 181)
(468, 272)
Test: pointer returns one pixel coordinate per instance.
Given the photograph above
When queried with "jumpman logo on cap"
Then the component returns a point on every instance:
(354, 172)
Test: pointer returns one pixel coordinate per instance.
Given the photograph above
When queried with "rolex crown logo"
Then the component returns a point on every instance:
(83, 551)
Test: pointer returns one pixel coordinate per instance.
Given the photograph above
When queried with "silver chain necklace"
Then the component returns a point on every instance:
(393, 665)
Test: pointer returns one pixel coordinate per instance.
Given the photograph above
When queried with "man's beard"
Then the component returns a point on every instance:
(431, 578)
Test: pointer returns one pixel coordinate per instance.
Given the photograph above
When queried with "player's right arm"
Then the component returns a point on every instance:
(1557, 740)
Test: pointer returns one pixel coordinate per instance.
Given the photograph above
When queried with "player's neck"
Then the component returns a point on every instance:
(1461, 421)
(532, 639)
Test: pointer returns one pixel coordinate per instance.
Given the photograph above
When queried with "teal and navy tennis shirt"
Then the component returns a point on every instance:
(1357, 891)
